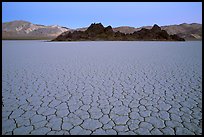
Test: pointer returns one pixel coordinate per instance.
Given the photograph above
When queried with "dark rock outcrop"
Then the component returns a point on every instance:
(97, 32)
(191, 31)
(156, 28)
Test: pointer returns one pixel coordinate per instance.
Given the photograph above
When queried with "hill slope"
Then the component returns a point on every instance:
(26, 30)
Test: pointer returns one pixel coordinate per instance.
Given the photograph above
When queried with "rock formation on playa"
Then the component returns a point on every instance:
(97, 32)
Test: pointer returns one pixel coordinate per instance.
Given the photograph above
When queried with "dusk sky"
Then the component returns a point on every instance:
(82, 14)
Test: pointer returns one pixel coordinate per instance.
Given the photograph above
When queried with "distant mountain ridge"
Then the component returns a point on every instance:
(25, 30)
(97, 32)
(191, 31)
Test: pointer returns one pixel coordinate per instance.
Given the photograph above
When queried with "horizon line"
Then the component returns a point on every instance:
(98, 22)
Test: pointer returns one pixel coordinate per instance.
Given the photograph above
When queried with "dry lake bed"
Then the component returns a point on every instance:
(145, 88)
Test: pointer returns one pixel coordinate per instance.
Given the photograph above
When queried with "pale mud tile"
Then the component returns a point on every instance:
(8, 125)
(175, 110)
(67, 126)
(104, 119)
(62, 113)
(40, 131)
(107, 109)
(40, 124)
(133, 124)
(126, 101)
(183, 131)
(142, 108)
(121, 128)
(85, 107)
(164, 115)
(136, 115)
(197, 115)
(145, 113)
(186, 117)
(51, 133)
(186, 110)
(73, 108)
(152, 108)
(163, 106)
(7, 133)
(134, 109)
(173, 124)
(48, 111)
(168, 131)
(45, 103)
(188, 104)
(61, 106)
(175, 117)
(156, 131)
(126, 133)
(109, 125)
(142, 131)
(22, 121)
(91, 124)
(47, 99)
(95, 114)
(60, 133)
(156, 122)
(23, 130)
(26, 107)
(37, 118)
(121, 110)
(82, 114)
(54, 103)
(55, 123)
(49, 117)
(5, 114)
(16, 113)
(111, 132)
(79, 131)
(73, 119)
(99, 132)
(195, 121)
(146, 125)
(120, 119)
(116, 103)
(193, 127)
(66, 133)
(143, 101)
(103, 105)
(196, 109)
(22, 101)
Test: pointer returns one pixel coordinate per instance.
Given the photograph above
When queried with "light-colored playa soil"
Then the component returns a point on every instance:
(145, 88)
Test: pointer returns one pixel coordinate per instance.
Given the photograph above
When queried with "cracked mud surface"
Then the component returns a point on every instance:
(129, 88)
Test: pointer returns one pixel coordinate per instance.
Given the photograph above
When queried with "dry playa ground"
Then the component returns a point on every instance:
(113, 88)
